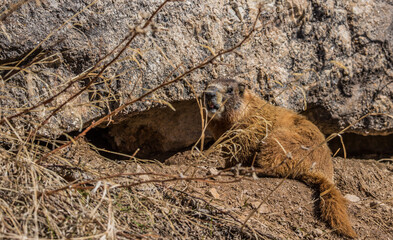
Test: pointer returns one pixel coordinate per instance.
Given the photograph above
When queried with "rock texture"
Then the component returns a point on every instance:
(331, 59)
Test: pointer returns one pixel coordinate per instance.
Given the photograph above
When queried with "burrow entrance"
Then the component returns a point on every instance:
(154, 134)
(161, 132)
(364, 147)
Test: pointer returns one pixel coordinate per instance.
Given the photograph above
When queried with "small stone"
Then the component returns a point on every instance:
(213, 171)
(165, 210)
(385, 207)
(213, 192)
(352, 198)
(262, 209)
(317, 232)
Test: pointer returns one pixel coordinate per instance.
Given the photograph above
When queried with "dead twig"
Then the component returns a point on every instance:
(169, 178)
(130, 37)
(180, 77)
(12, 9)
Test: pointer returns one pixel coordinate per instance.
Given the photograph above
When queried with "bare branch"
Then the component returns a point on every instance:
(180, 77)
(130, 37)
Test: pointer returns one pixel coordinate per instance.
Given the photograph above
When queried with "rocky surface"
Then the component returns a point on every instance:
(331, 59)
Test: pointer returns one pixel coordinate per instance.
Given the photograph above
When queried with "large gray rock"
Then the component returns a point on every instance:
(330, 59)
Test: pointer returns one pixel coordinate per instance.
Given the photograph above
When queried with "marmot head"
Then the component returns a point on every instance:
(223, 97)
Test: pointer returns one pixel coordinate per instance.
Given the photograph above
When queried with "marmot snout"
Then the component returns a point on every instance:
(222, 96)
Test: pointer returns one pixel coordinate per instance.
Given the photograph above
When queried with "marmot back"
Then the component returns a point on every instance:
(281, 141)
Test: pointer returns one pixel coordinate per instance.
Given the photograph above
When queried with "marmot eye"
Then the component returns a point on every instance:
(230, 90)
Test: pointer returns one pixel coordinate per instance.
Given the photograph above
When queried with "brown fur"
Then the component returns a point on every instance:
(282, 142)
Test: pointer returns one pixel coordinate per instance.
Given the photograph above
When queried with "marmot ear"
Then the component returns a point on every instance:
(241, 87)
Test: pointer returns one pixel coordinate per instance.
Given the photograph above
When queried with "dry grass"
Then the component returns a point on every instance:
(52, 189)
(74, 195)
(60, 189)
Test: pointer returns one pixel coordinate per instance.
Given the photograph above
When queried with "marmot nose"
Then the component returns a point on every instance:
(210, 95)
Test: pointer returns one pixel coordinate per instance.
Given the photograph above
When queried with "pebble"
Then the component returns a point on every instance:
(317, 232)
(213, 192)
(264, 208)
(352, 198)
(213, 171)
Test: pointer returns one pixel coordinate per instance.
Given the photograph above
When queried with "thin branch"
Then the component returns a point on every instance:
(49, 35)
(169, 178)
(180, 77)
(134, 34)
(12, 9)
(131, 36)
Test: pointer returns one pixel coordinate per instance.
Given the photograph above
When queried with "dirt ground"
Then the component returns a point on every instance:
(287, 212)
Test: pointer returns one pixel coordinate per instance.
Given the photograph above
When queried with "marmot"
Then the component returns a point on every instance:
(276, 140)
